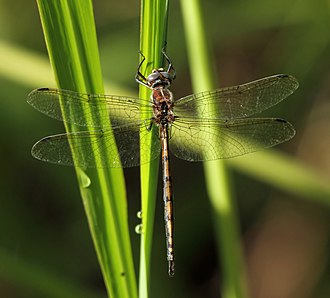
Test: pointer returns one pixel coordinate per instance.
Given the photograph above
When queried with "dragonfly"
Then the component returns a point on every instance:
(204, 126)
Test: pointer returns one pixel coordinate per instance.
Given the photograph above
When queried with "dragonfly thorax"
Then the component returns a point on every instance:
(159, 78)
(162, 105)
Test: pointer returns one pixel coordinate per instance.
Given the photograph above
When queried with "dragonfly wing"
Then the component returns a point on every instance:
(97, 148)
(238, 101)
(91, 110)
(197, 140)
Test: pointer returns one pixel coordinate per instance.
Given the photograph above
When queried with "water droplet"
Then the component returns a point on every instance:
(139, 214)
(138, 229)
(84, 180)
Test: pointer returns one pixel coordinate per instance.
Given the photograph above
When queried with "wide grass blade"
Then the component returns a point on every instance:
(72, 46)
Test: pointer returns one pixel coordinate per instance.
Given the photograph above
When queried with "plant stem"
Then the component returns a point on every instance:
(216, 173)
(152, 40)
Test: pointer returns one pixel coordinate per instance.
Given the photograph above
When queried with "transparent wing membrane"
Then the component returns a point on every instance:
(198, 140)
(87, 109)
(118, 147)
(238, 101)
(207, 125)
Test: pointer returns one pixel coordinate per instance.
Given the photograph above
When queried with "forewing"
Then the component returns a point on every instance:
(196, 140)
(87, 109)
(97, 148)
(238, 101)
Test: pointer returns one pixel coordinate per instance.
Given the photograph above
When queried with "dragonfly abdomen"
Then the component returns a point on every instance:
(167, 198)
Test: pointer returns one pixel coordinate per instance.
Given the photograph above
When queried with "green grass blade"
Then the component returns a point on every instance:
(152, 40)
(72, 46)
(217, 180)
(284, 172)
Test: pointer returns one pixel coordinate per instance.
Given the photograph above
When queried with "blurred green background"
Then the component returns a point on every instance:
(45, 246)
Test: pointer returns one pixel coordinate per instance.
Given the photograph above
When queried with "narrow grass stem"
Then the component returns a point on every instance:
(152, 39)
(216, 173)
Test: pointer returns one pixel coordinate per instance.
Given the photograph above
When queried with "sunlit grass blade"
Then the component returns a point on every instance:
(72, 46)
(216, 173)
(37, 66)
(285, 173)
(152, 40)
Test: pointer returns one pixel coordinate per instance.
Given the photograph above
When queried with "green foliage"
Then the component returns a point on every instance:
(45, 242)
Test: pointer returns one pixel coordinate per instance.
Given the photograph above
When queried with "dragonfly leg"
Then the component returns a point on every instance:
(139, 77)
(148, 125)
(170, 68)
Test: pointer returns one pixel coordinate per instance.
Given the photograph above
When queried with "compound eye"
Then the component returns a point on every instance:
(167, 75)
(152, 77)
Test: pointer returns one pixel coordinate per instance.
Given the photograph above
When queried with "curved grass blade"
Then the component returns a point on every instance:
(72, 46)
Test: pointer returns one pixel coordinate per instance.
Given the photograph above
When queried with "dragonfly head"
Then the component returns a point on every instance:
(159, 77)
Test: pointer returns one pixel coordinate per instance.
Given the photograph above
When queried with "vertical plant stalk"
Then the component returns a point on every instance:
(152, 39)
(72, 46)
(217, 179)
